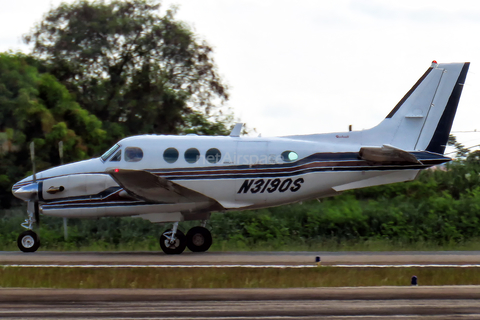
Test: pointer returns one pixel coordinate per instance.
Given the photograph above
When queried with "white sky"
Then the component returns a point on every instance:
(313, 66)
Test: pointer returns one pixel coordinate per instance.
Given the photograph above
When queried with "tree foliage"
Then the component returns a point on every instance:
(99, 67)
(34, 106)
(461, 150)
(136, 70)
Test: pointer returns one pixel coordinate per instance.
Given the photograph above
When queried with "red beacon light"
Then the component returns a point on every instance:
(434, 64)
(435, 61)
(116, 170)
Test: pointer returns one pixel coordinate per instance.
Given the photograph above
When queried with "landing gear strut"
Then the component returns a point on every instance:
(198, 239)
(173, 241)
(28, 241)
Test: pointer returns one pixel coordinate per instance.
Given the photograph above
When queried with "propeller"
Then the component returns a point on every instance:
(60, 153)
(36, 211)
(32, 157)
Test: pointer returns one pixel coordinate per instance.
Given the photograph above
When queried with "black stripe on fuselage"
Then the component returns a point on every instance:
(83, 205)
(333, 161)
(440, 136)
(295, 173)
(246, 172)
(329, 159)
(340, 159)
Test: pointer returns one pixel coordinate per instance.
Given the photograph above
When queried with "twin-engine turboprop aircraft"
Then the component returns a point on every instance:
(169, 179)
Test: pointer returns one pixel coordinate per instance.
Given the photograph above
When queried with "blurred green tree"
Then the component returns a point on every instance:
(34, 106)
(136, 70)
(462, 151)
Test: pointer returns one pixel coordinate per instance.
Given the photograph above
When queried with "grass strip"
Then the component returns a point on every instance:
(169, 278)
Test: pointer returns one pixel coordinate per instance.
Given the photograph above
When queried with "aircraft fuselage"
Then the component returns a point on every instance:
(242, 173)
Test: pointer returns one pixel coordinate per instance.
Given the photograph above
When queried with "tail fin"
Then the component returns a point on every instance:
(423, 118)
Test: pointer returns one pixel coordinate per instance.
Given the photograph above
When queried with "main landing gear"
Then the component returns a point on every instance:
(28, 241)
(198, 239)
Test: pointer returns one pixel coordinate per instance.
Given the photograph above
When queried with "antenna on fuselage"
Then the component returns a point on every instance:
(237, 130)
(32, 157)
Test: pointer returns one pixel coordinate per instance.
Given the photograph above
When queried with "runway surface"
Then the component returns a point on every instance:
(242, 258)
(446, 302)
(327, 303)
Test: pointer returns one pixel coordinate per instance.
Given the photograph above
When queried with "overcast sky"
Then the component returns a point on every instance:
(314, 66)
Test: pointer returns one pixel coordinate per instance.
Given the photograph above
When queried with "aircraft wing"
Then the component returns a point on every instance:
(387, 154)
(152, 188)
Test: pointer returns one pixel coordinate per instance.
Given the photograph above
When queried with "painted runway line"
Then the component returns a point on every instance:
(241, 266)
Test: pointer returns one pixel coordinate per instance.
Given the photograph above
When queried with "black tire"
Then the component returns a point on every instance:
(199, 239)
(175, 248)
(28, 241)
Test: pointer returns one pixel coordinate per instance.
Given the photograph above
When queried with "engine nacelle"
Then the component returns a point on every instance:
(76, 185)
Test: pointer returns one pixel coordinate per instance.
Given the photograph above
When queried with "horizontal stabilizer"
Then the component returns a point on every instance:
(146, 186)
(387, 154)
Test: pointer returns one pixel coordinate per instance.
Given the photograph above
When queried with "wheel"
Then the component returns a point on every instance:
(173, 248)
(28, 241)
(199, 239)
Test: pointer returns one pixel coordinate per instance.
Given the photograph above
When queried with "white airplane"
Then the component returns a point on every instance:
(169, 179)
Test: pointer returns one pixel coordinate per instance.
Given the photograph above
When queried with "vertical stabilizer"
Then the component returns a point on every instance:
(423, 118)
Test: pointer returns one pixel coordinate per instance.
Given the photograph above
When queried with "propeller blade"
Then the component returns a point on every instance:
(60, 151)
(37, 213)
(32, 156)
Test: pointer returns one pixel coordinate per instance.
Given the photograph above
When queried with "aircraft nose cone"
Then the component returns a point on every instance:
(27, 192)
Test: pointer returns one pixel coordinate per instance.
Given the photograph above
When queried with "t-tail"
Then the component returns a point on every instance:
(422, 120)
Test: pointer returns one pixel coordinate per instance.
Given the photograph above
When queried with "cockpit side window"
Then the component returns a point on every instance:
(110, 151)
(117, 156)
(133, 154)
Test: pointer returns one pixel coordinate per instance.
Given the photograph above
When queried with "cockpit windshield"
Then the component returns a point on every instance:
(110, 151)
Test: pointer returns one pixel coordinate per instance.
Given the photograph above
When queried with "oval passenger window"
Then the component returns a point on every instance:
(213, 155)
(192, 155)
(170, 155)
(133, 154)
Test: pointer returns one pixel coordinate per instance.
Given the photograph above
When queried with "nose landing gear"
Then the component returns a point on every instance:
(28, 241)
